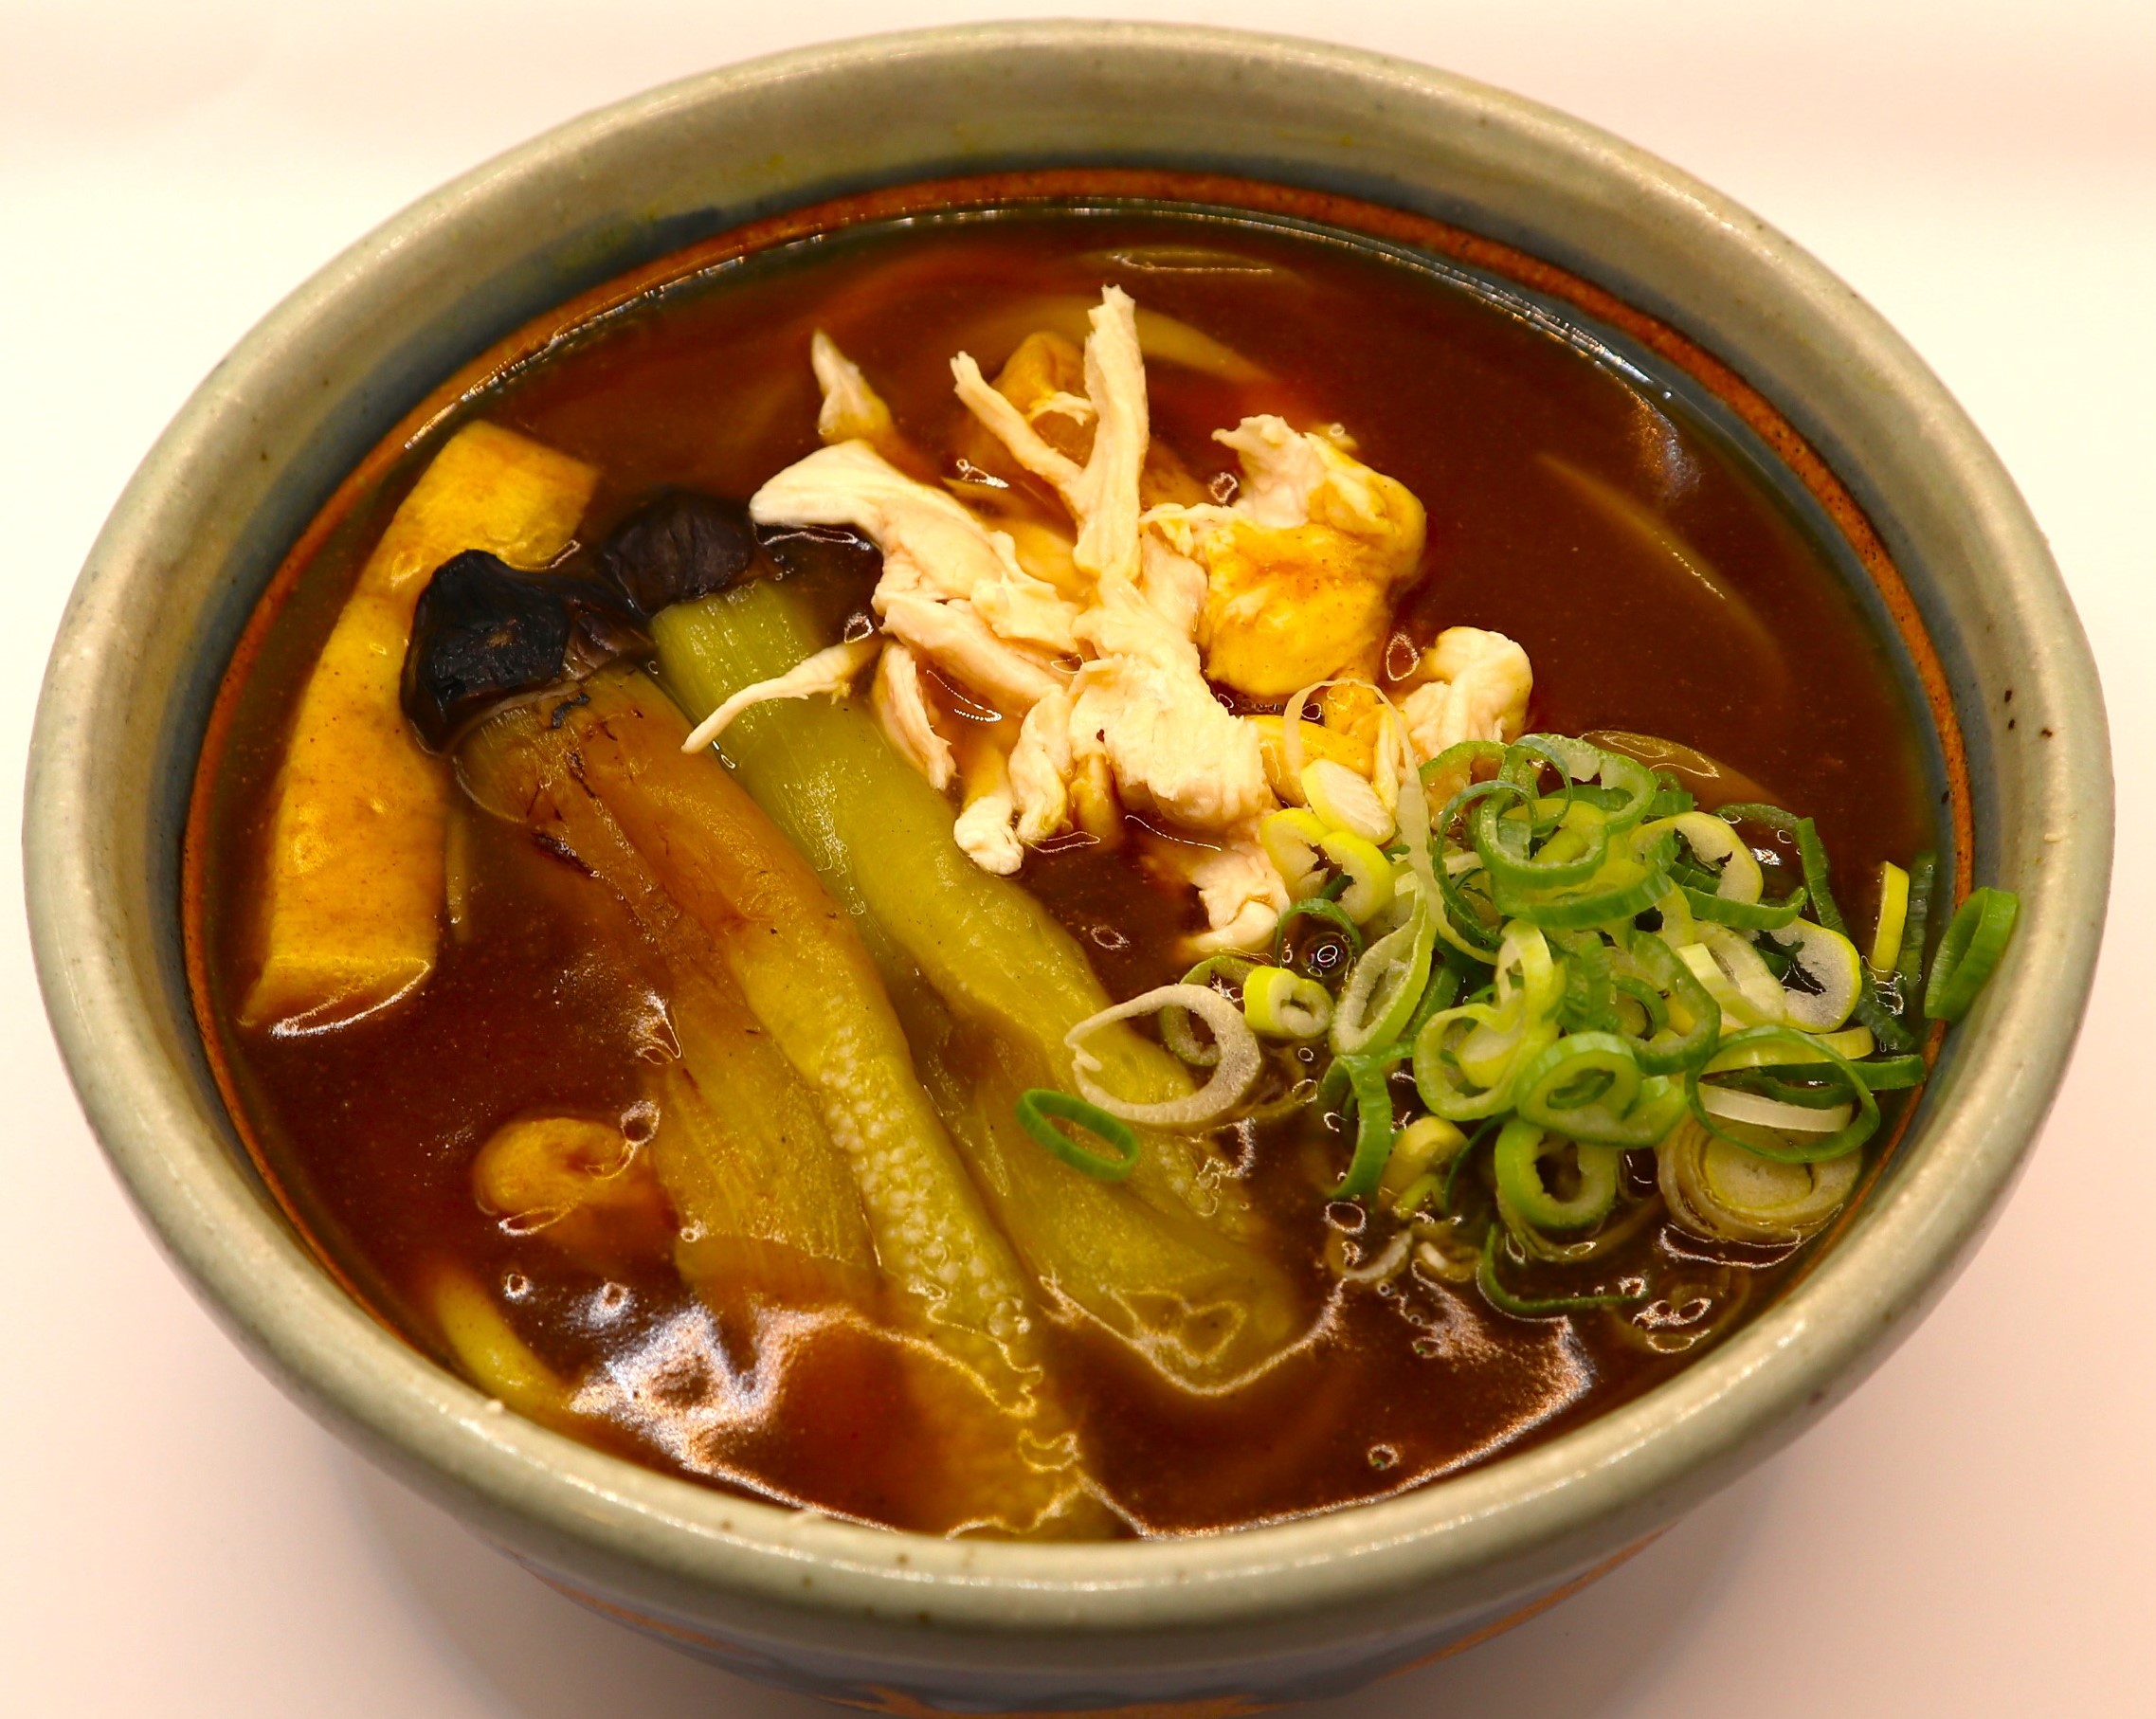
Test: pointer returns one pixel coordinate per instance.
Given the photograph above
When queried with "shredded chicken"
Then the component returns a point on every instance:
(1103, 494)
(832, 670)
(902, 710)
(852, 410)
(1140, 700)
(983, 826)
(1100, 639)
(931, 545)
(1478, 689)
(1040, 766)
(1241, 893)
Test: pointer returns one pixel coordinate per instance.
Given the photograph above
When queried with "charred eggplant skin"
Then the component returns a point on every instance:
(484, 631)
(682, 544)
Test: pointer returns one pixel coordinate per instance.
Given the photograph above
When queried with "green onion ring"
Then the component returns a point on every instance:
(1459, 1162)
(1639, 789)
(1522, 1193)
(1752, 811)
(1649, 999)
(1315, 907)
(1528, 1307)
(1590, 1004)
(1881, 1073)
(1175, 1023)
(1666, 1051)
(1037, 1106)
(1634, 1111)
(1471, 796)
(1462, 755)
(1525, 760)
(1744, 916)
(1578, 911)
(1969, 950)
(1895, 1074)
(1773, 1083)
(1887, 1027)
(1909, 967)
(1367, 1083)
(1459, 913)
(1845, 1139)
(1514, 870)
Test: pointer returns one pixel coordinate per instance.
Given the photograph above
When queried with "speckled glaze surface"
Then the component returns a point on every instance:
(1211, 1626)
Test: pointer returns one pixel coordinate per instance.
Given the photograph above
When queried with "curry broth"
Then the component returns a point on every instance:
(1656, 581)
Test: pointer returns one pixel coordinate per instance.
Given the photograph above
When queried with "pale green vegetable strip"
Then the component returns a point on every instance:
(766, 1204)
(764, 1199)
(1006, 983)
(881, 835)
(793, 953)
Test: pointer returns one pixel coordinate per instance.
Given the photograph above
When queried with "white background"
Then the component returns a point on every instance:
(1973, 1534)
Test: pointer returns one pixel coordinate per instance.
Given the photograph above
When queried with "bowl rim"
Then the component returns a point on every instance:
(1624, 1469)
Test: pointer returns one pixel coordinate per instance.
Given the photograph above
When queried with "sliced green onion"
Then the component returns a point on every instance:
(1344, 800)
(1588, 1087)
(1752, 811)
(1533, 1307)
(1589, 1003)
(1671, 797)
(1908, 966)
(1465, 927)
(1460, 1163)
(1385, 985)
(1369, 873)
(1513, 870)
(1854, 1043)
(1744, 916)
(1626, 886)
(1736, 871)
(1316, 907)
(1722, 1191)
(1036, 1107)
(1440, 1077)
(1791, 1083)
(1373, 1130)
(1283, 1005)
(1439, 993)
(1736, 976)
(1460, 760)
(1417, 1150)
(1651, 1003)
(1239, 1059)
(1969, 951)
(1845, 1139)
(1671, 1050)
(1755, 1109)
(1885, 1024)
(1894, 916)
(1523, 1195)
(1832, 962)
(1291, 839)
(1895, 1074)
(1175, 1023)
(1639, 785)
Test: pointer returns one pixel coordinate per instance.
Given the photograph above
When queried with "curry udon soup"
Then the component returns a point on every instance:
(1091, 871)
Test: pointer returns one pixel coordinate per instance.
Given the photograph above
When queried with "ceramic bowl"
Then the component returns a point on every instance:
(1945, 555)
